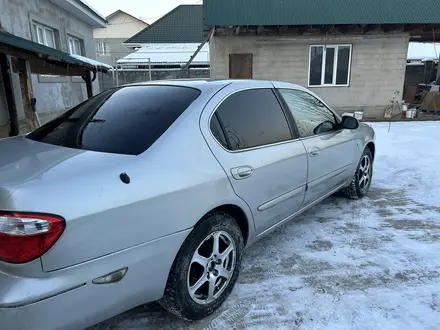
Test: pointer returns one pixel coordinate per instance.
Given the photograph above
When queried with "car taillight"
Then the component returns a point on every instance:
(26, 236)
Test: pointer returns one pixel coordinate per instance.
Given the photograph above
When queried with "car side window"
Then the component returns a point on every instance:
(252, 118)
(311, 115)
(217, 131)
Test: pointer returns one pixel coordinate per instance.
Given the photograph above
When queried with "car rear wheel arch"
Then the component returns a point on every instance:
(176, 297)
(238, 215)
(372, 148)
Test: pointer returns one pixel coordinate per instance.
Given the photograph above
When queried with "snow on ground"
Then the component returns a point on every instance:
(368, 264)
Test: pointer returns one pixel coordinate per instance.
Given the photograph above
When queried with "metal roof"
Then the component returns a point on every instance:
(184, 24)
(169, 54)
(50, 53)
(320, 12)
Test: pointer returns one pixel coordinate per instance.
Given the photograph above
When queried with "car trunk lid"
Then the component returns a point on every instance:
(26, 160)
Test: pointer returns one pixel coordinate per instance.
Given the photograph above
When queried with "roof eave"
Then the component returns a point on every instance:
(132, 44)
(17, 47)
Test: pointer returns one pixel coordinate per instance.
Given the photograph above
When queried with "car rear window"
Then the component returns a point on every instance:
(126, 120)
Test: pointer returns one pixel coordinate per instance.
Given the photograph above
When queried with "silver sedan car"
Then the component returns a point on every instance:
(150, 192)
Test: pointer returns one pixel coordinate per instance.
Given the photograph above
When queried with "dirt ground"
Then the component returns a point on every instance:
(368, 264)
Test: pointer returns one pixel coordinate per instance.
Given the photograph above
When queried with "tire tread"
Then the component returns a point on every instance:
(352, 191)
(171, 300)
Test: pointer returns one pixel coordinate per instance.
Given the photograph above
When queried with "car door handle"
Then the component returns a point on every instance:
(242, 172)
(313, 152)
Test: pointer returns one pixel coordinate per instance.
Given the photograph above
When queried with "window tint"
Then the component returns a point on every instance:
(253, 118)
(217, 131)
(311, 115)
(126, 120)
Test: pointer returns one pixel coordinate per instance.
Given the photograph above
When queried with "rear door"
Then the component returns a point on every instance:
(330, 150)
(250, 136)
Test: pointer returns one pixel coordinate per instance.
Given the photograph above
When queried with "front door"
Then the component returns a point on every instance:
(253, 141)
(329, 150)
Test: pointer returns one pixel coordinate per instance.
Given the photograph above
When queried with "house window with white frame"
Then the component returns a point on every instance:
(74, 45)
(102, 48)
(44, 35)
(329, 65)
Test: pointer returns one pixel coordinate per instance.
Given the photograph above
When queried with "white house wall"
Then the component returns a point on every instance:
(52, 97)
(120, 25)
(377, 68)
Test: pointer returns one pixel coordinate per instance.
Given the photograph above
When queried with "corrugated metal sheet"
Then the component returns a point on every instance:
(320, 12)
(184, 24)
(169, 54)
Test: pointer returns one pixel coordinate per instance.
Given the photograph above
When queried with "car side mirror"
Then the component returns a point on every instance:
(349, 122)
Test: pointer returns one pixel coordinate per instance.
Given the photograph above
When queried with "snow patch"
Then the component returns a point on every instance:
(91, 62)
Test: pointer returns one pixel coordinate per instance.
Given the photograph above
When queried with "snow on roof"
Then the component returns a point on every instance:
(170, 54)
(423, 51)
(91, 62)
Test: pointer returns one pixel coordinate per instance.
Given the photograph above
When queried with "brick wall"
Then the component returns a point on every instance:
(377, 69)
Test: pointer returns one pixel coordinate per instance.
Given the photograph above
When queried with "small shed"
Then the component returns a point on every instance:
(25, 57)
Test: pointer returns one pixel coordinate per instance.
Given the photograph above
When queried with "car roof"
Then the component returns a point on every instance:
(207, 84)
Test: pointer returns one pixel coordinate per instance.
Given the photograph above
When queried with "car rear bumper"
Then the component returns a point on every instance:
(67, 299)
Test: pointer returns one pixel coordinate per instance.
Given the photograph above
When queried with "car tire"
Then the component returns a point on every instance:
(361, 182)
(193, 290)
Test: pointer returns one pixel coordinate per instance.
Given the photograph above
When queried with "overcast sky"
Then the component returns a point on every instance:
(148, 10)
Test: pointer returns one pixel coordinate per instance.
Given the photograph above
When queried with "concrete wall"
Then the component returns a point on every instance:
(53, 94)
(377, 69)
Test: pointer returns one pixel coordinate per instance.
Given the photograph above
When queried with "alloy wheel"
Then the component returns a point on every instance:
(365, 170)
(211, 267)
